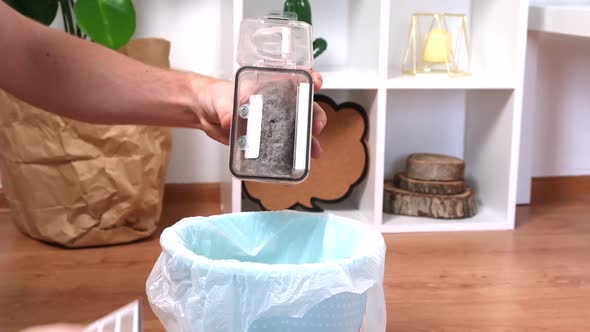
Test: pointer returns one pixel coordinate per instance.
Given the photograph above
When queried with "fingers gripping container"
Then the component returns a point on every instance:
(269, 272)
(272, 114)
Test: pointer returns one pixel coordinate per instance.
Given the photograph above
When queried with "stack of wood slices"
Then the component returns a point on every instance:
(433, 186)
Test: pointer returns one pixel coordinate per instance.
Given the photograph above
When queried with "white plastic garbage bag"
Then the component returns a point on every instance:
(269, 271)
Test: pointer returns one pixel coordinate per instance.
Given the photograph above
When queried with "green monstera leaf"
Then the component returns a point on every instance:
(108, 22)
(42, 11)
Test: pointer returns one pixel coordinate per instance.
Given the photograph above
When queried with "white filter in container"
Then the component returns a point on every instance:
(269, 271)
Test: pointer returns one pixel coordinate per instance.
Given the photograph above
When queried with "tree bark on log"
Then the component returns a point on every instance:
(435, 167)
(403, 202)
(429, 187)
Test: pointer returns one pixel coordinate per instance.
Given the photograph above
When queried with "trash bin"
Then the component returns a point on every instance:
(269, 271)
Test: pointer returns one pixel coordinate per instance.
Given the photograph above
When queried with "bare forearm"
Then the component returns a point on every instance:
(85, 81)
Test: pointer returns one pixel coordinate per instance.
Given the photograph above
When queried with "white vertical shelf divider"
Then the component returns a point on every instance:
(520, 59)
(379, 126)
(236, 184)
(362, 65)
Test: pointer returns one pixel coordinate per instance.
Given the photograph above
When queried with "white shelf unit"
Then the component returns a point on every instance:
(567, 18)
(476, 118)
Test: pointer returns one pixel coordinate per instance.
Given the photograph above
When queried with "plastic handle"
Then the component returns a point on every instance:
(274, 43)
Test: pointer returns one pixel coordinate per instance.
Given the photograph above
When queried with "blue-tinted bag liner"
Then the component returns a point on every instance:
(269, 271)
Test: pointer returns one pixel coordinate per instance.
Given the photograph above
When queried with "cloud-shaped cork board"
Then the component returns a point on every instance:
(334, 176)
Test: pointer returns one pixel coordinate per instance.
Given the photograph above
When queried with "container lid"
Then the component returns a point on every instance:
(275, 41)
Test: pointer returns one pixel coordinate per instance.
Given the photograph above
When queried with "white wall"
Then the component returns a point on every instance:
(556, 119)
(561, 130)
(200, 36)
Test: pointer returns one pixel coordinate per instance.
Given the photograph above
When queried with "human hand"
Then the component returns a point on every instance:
(55, 328)
(216, 107)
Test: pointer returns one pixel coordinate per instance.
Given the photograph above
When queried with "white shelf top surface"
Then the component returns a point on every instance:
(443, 81)
(353, 79)
(486, 219)
(568, 19)
(339, 80)
(357, 215)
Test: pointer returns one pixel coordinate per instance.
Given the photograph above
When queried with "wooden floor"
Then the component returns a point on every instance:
(536, 278)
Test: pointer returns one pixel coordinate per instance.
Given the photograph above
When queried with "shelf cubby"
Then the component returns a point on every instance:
(496, 34)
(351, 28)
(476, 126)
(360, 204)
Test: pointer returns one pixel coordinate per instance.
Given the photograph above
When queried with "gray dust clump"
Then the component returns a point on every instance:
(277, 133)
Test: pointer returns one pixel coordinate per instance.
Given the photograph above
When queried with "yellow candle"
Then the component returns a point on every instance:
(438, 46)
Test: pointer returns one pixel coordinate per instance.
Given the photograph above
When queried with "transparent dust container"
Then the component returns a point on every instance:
(272, 114)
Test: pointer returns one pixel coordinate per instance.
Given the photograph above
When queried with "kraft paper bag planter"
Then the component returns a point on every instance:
(269, 271)
(77, 184)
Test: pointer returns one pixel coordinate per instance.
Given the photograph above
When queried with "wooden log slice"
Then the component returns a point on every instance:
(429, 187)
(435, 167)
(403, 202)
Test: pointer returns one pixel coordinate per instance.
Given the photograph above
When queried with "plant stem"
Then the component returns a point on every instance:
(63, 16)
(66, 12)
(78, 31)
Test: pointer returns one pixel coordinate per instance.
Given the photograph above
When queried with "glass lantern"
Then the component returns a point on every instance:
(438, 43)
